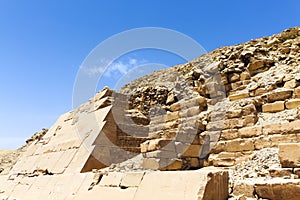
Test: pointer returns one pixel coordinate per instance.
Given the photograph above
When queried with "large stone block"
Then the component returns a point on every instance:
(278, 189)
(189, 185)
(292, 103)
(297, 92)
(132, 179)
(238, 96)
(248, 132)
(170, 116)
(289, 154)
(162, 164)
(279, 95)
(244, 188)
(273, 107)
(239, 145)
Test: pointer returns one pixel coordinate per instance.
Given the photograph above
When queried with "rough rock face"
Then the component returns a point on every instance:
(235, 109)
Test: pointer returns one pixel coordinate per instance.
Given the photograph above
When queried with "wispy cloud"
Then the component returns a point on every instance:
(116, 68)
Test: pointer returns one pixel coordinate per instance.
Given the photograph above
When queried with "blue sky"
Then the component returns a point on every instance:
(43, 43)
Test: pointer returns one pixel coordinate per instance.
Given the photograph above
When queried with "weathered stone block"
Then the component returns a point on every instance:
(279, 95)
(278, 139)
(273, 107)
(279, 189)
(155, 144)
(112, 179)
(291, 84)
(262, 142)
(289, 154)
(270, 129)
(248, 132)
(175, 106)
(297, 92)
(237, 96)
(211, 184)
(292, 103)
(255, 65)
(161, 154)
(132, 179)
(172, 116)
(245, 76)
(229, 134)
(239, 145)
(245, 188)
(279, 172)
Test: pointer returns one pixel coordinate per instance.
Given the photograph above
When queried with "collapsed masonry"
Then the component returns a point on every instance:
(224, 109)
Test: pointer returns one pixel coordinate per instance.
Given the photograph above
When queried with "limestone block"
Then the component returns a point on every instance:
(245, 76)
(273, 107)
(255, 65)
(107, 193)
(238, 96)
(193, 111)
(162, 164)
(289, 154)
(262, 142)
(229, 134)
(296, 171)
(290, 127)
(291, 84)
(278, 189)
(63, 161)
(249, 120)
(188, 150)
(270, 129)
(235, 123)
(244, 187)
(175, 106)
(174, 164)
(161, 154)
(248, 132)
(171, 124)
(172, 116)
(234, 113)
(260, 91)
(144, 146)
(239, 145)
(278, 139)
(191, 185)
(223, 159)
(151, 163)
(297, 92)
(112, 179)
(132, 179)
(280, 172)
(279, 95)
(292, 103)
(234, 77)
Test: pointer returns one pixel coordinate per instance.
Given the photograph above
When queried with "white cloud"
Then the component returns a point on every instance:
(113, 69)
(132, 61)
